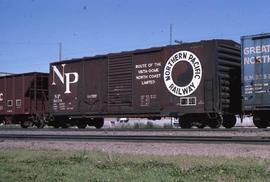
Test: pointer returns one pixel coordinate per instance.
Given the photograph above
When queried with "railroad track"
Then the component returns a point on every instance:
(240, 129)
(145, 138)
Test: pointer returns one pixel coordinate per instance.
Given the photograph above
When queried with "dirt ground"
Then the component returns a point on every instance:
(228, 150)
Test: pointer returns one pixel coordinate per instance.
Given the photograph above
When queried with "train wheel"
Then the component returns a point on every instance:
(201, 125)
(98, 123)
(64, 125)
(184, 122)
(259, 122)
(40, 123)
(215, 123)
(56, 125)
(2, 120)
(229, 121)
(81, 124)
(25, 124)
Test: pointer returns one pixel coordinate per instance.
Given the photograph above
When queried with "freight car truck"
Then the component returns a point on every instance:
(24, 99)
(198, 83)
(256, 78)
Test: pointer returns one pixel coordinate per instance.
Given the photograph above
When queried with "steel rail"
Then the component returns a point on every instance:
(236, 129)
(142, 138)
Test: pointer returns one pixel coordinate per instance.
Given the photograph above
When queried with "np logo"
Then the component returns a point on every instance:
(65, 78)
(182, 73)
(1, 96)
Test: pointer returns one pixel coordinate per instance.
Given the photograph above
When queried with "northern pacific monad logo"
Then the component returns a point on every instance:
(182, 73)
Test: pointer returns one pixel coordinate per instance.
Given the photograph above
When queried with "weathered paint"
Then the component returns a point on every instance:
(23, 94)
(173, 80)
(256, 71)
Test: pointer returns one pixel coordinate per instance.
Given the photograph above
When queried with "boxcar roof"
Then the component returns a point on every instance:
(256, 36)
(24, 74)
(137, 51)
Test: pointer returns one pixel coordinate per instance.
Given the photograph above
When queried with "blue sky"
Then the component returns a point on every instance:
(30, 30)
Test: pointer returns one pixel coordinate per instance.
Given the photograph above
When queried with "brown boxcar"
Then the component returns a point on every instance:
(195, 82)
(24, 99)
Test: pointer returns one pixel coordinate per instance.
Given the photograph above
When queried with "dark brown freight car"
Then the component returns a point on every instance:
(24, 99)
(195, 82)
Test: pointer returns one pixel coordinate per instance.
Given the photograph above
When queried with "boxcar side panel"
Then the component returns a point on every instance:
(166, 81)
(19, 94)
(23, 94)
(30, 91)
(188, 74)
(147, 81)
(256, 72)
(120, 83)
(2, 95)
(171, 81)
(10, 95)
(64, 89)
(92, 92)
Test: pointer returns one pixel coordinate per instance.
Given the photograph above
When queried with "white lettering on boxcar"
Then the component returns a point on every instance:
(148, 74)
(257, 49)
(65, 78)
(257, 54)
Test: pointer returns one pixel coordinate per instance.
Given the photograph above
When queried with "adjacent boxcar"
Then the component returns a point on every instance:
(195, 82)
(24, 99)
(256, 77)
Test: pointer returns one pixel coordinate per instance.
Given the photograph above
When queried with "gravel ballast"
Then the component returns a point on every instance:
(228, 150)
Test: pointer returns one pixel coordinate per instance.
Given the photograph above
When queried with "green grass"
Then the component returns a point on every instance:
(32, 165)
